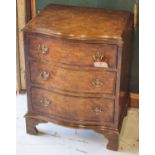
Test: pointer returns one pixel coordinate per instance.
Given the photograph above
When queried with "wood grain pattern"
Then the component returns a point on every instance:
(85, 109)
(90, 24)
(71, 53)
(60, 78)
(73, 80)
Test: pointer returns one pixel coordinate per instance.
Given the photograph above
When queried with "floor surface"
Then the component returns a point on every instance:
(57, 140)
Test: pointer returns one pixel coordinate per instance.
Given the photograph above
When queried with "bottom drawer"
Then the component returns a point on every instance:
(94, 109)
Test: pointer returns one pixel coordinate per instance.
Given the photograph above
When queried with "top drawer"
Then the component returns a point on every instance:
(72, 52)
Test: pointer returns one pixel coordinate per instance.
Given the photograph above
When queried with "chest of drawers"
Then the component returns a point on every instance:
(77, 69)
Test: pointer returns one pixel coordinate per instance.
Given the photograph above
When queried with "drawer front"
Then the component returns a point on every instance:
(86, 81)
(72, 108)
(72, 53)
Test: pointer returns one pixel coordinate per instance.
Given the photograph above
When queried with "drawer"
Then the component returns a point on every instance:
(83, 81)
(71, 107)
(72, 52)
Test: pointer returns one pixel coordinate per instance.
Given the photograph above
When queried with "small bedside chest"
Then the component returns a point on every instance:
(77, 69)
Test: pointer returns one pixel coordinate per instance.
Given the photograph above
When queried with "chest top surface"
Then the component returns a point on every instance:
(80, 23)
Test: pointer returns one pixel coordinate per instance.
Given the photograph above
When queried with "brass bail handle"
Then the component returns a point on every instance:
(97, 83)
(96, 110)
(43, 49)
(45, 75)
(98, 56)
(45, 101)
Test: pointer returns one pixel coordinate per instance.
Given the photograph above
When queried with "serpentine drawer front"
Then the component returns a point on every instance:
(73, 80)
(97, 110)
(77, 69)
(71, 53)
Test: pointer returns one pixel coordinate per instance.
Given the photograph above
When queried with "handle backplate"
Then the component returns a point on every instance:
(98, 57)
(45, 75)
(43, 49)
(97, 110)
(45, 101)
(97, 83)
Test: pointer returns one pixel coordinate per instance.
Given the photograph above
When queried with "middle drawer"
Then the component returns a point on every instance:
(77, 81)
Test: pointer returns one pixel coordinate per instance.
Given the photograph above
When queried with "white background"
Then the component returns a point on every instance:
(8, 77)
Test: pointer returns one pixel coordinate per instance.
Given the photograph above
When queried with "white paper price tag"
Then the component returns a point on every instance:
(101, 64)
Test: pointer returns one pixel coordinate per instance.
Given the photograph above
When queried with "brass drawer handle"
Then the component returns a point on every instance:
(98, 57)
(97, 110)
(100, 60)
(45, 102)
(45, 75)
(97, 83)
(43, 49)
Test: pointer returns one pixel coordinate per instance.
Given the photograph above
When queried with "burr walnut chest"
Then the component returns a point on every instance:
(77, 69)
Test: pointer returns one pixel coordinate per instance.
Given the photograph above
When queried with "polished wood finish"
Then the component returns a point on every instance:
(63, 84)
(56, 47)
(63, 23)
(75, 80)
(94, 110)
